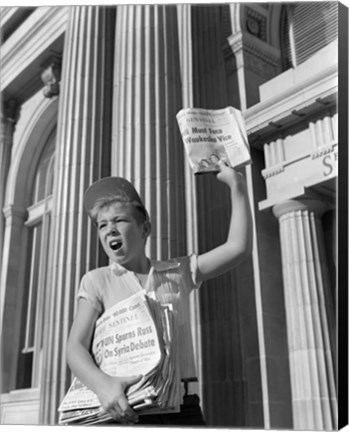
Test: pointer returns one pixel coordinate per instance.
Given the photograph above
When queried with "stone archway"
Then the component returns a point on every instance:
(28, 149)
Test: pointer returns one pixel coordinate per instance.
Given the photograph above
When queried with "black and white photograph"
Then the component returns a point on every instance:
(174, 215)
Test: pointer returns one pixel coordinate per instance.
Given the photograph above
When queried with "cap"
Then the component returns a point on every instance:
(110, 186)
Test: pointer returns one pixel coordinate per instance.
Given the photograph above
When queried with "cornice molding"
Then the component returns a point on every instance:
(287, 107)
(252, 45)
(6, 13)
(273, 171)
(321, 152)
(31, 39)
(318, 153)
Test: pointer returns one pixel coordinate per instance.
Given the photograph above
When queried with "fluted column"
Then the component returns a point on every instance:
(186, 66)
(223, 383)
(83, 137)
(146, 146)
(309, 313)
(186, 69)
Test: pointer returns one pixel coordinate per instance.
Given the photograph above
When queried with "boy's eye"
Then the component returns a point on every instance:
(121, 219)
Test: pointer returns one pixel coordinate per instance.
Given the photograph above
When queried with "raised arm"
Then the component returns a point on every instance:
(239, 241)
(110, 390)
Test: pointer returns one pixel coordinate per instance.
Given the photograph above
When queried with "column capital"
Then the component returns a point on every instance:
(12, 211)
(315, 205)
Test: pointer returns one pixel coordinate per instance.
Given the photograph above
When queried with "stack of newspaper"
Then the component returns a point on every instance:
(211, 135)
(135, 337)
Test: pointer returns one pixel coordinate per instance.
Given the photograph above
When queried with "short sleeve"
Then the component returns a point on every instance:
(88, 291)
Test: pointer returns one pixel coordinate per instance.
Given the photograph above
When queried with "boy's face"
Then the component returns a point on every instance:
(122, 235)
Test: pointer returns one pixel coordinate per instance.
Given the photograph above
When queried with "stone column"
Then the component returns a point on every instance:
(9, 117)
(82, 156)
(184, 12)
(222, 378)
(11, 298)
(186, 70)
(309, 314)
(146, 147)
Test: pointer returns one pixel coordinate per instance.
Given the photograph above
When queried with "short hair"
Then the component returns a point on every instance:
(108, 200)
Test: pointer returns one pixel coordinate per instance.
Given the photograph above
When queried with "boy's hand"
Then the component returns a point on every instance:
(230, 176)
(113, 400)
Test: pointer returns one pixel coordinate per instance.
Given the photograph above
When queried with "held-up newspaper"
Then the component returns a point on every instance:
(212, 135)
(135, 337)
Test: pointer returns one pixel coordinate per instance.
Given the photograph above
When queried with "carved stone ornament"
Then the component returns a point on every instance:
(253, 26)
(256, 23)
(253, 53)
(51, 78)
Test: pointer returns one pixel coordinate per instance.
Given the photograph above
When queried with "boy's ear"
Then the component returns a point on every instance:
(146, 228)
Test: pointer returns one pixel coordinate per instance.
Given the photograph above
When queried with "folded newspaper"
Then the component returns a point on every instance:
(213, 135)
(135, 337)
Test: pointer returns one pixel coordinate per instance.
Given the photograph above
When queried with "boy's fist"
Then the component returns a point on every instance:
(230, 176)
(114, 401)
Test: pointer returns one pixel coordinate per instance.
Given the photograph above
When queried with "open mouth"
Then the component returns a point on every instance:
(115, 245)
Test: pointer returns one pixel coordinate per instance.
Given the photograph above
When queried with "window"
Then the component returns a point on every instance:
(38, 225)
(305, 29)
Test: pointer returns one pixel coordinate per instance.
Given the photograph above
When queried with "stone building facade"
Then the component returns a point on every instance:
(93, 91)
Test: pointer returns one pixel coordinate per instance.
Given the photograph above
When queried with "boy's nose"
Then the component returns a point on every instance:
(112, 228)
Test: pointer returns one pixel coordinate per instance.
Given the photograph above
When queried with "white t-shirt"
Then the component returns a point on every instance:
(168, 282)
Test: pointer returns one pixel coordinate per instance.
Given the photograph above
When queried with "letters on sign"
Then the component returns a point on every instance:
(330, 163)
